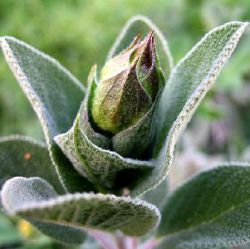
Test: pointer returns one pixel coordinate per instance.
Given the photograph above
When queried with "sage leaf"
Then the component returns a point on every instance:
(34, 198)
(55, 95)
(65, 234)
(100, 166)
(158, 195)
(24, 156)
(37, 189)
(212, 210)
(194, 75)
(190, 80)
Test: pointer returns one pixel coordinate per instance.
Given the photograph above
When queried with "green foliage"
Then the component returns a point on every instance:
(98, 165)
(58, 28)
(8, 234)
(86, 162)
(40, 77)
(26, 157)
(209, 211)
(187, 85)
(195, 74)
(35, 199)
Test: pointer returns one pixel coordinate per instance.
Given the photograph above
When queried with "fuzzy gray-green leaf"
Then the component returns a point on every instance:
(19, 191)
(23, 156)
(61, 233)
(194, 76)
(189, 82)
(100, 166)
(210, 211)
(54, 94)
(33, 198)
(158, 195)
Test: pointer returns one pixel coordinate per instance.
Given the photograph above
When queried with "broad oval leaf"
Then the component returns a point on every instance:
(37, 189)
(190, 80)
(211, 210)
(34, 198)
(141, 25)
(23, 156)
(54, 93)
(61, 233)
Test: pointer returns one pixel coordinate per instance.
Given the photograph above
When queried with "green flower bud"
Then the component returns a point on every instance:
(128, 86)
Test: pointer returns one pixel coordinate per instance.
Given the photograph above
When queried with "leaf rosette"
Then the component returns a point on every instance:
(109, 144)
(114, 127)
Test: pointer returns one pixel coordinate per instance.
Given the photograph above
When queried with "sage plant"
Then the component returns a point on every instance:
(109, 148)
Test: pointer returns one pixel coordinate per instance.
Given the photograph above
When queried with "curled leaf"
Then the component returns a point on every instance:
(189, 82)
(33, 198)
(50, 88)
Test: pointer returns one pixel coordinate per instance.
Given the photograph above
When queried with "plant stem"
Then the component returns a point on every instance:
(105, 240)
(150, 244)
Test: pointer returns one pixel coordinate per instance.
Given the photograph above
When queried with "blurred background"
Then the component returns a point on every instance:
(79, 34)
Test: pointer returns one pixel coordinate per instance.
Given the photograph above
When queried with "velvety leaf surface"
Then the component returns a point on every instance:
(142, 25)
(189, 82)
(90, 152)
(34, 198)
(195, 74)
(211, 210)
(158, 195)
(54, 94)
(21, 191)
(23, 156)
(43, 79)
(99, 165)
(61, 233)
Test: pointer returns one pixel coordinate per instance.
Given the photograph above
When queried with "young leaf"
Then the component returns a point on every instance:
(141, 25)
(37, 189)
(194, 76)
(209, 211)
(158, 195)
(23, 156)
(34, 198)
(61, 233)
(100, 166)
(54, 93)
(189, 82)
(49, 87)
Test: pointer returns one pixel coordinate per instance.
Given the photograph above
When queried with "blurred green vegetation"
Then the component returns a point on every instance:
(79, 34)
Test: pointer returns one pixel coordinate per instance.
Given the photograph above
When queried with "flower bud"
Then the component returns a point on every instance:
(128, 86)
